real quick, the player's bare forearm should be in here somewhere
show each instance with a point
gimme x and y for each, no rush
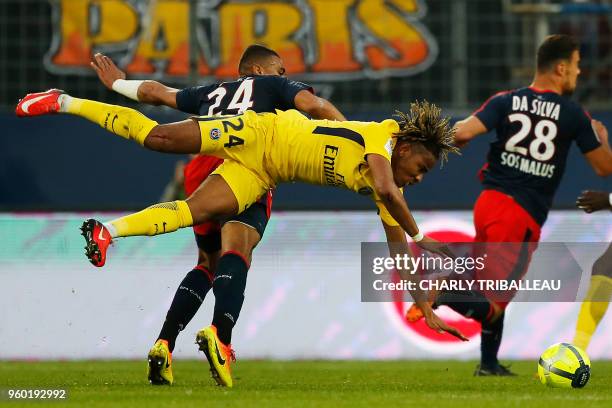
(327, 111)
(467, 129)
(318, 108)
(151, 92)
(398, 245)
(396, 239)
(600, 160)
(155, 93)
(390, 194)
(394, 201)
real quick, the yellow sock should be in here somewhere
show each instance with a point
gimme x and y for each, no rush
(122, 121)
(154, 220)
(593, 309)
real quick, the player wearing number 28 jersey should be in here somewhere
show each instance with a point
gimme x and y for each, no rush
(534, 127)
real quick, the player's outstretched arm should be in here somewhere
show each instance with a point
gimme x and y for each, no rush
(150, 92)
(317, 107)
(394, 201)
(398, 245)
(600, 158)
(467, 129)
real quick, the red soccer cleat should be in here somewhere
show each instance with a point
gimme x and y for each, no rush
(41, 103)
(414, 313)
(98, 239)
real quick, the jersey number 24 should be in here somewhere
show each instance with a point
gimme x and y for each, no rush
(241, 101)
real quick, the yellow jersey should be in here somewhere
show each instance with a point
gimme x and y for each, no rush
(328, 152)
(265, 149)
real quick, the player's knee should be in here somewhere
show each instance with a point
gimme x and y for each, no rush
(204, 268)
(244, 247)
(201, 214)
(209, 245)
(207, 260)
(496, 313)
(165, 139)
(160, 139)
(203, 259)
(201, 209)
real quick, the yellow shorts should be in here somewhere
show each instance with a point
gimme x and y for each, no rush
(246, 185)
(241, 141)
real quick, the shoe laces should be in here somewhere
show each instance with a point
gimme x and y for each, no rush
(231, 353)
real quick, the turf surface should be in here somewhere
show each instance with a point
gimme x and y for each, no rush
(432, 384)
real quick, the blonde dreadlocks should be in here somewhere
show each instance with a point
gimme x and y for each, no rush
(424, 125)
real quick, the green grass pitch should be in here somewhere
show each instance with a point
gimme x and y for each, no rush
(301, 384)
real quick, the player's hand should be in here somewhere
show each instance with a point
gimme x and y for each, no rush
(106, 69)
(436, 247)
(591, 201)
(600, 131)
(437, 324)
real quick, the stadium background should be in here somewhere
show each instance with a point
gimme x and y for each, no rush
(305, 277)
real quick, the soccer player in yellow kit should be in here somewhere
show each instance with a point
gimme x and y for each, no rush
(262, 150)
(599, 294)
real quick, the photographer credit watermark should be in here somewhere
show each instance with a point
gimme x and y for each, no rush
(504, 272)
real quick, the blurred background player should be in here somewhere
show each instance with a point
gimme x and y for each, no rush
(175, 189)
(224, 249)
(535, 127)
(598, 296)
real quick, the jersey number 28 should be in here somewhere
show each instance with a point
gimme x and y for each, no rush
(542, 147)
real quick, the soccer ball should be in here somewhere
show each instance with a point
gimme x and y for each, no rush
(564, 365)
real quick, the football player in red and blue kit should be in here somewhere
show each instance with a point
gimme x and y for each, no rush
(535, 127)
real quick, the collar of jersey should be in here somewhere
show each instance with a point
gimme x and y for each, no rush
(536, 90)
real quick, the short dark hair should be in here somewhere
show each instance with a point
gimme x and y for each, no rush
(253, 55)
(425, 125)
(554, 49)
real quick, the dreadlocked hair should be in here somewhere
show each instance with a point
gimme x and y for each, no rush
(424, 125)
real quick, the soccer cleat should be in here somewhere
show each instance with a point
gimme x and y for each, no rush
(497, 370)
(159, 371)
(219, 355)
(41, 103)
(98, 239)
(414, 313)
